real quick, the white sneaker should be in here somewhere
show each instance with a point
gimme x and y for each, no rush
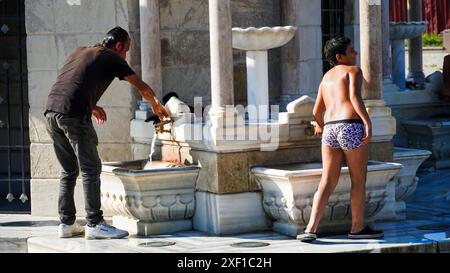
(104, 231)
(66, 231)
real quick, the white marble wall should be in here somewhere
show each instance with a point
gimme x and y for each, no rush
(186, 53)
(55, 28)
(301, 59)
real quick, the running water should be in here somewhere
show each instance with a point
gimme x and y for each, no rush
(149, 162)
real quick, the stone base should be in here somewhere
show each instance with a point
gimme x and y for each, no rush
(223, 214)
(409, 97)
(432, 135)
(136, 227)
(45, 194)
(229, 172)
(407, 112)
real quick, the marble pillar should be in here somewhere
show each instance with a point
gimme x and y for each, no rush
(151, 45)
(143, 132)
(386, 50)
(371, 48)
(415, 46)
(384, 124)
(221, 56)
(301, 59)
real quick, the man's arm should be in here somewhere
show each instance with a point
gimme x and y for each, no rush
(148, 94)
(319, 108)
(356, 78)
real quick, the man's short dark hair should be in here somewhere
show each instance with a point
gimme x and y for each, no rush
(336, 45)
(114, 36)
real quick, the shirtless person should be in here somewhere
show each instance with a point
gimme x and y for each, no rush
(341, 115)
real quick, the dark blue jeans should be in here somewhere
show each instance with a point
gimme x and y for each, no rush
(75, 142)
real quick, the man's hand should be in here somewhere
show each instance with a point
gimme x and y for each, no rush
(318, 130)
(99, 115)
(367, 135)
(159, 110)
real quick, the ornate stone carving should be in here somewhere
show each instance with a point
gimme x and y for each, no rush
(289, 191)
(147, 197)
(406, 179)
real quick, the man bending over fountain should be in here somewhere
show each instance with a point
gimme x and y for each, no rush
(83, 79)
(346, 129)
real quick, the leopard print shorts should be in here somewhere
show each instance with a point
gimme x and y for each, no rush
(344, 134)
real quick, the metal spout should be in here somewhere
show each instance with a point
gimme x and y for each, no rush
(159, 127)
(309, 129)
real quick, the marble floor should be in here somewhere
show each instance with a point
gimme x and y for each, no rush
(425, 228)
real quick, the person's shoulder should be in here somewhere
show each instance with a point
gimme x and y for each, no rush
(354, 70)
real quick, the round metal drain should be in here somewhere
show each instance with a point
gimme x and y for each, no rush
(434, 227)
(250, 244)
(157, 244)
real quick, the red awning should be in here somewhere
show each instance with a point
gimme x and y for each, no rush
(436, 12)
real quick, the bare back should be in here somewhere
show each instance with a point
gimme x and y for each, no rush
(335, 88)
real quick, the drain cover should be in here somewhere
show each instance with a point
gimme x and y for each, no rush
(157, 244)
(250, 244)
(435, 227)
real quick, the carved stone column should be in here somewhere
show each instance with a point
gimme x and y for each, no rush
(384, 125)
(415, 45)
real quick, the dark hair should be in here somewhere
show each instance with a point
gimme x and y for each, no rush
(114, 36)
(336, 45)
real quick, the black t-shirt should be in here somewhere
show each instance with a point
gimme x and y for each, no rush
(83, 79)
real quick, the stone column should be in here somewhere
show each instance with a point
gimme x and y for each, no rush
(151, 45)
(143, 132)
(221, 55)
(301, 58)
(384, 125)
(371, 48)
(386, 51)
(415, 45)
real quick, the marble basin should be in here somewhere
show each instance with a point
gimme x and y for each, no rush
(406, 30)
(260, 39)
(289, 191)
(406, 180)
(156, 200)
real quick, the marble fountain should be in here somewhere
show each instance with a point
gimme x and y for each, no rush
(217, 177)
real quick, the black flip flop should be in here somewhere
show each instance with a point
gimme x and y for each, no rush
(307, 237)
(367, 233)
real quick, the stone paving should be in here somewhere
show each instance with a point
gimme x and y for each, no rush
(425, 228)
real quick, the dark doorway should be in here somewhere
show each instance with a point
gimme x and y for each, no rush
(333, 23)
(14, 108)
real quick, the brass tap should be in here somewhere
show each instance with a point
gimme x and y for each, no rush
(309, 129)
(159, 127)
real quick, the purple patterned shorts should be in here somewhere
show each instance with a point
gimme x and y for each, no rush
(345, 134)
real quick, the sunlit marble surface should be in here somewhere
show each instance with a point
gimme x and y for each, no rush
(428, 206)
